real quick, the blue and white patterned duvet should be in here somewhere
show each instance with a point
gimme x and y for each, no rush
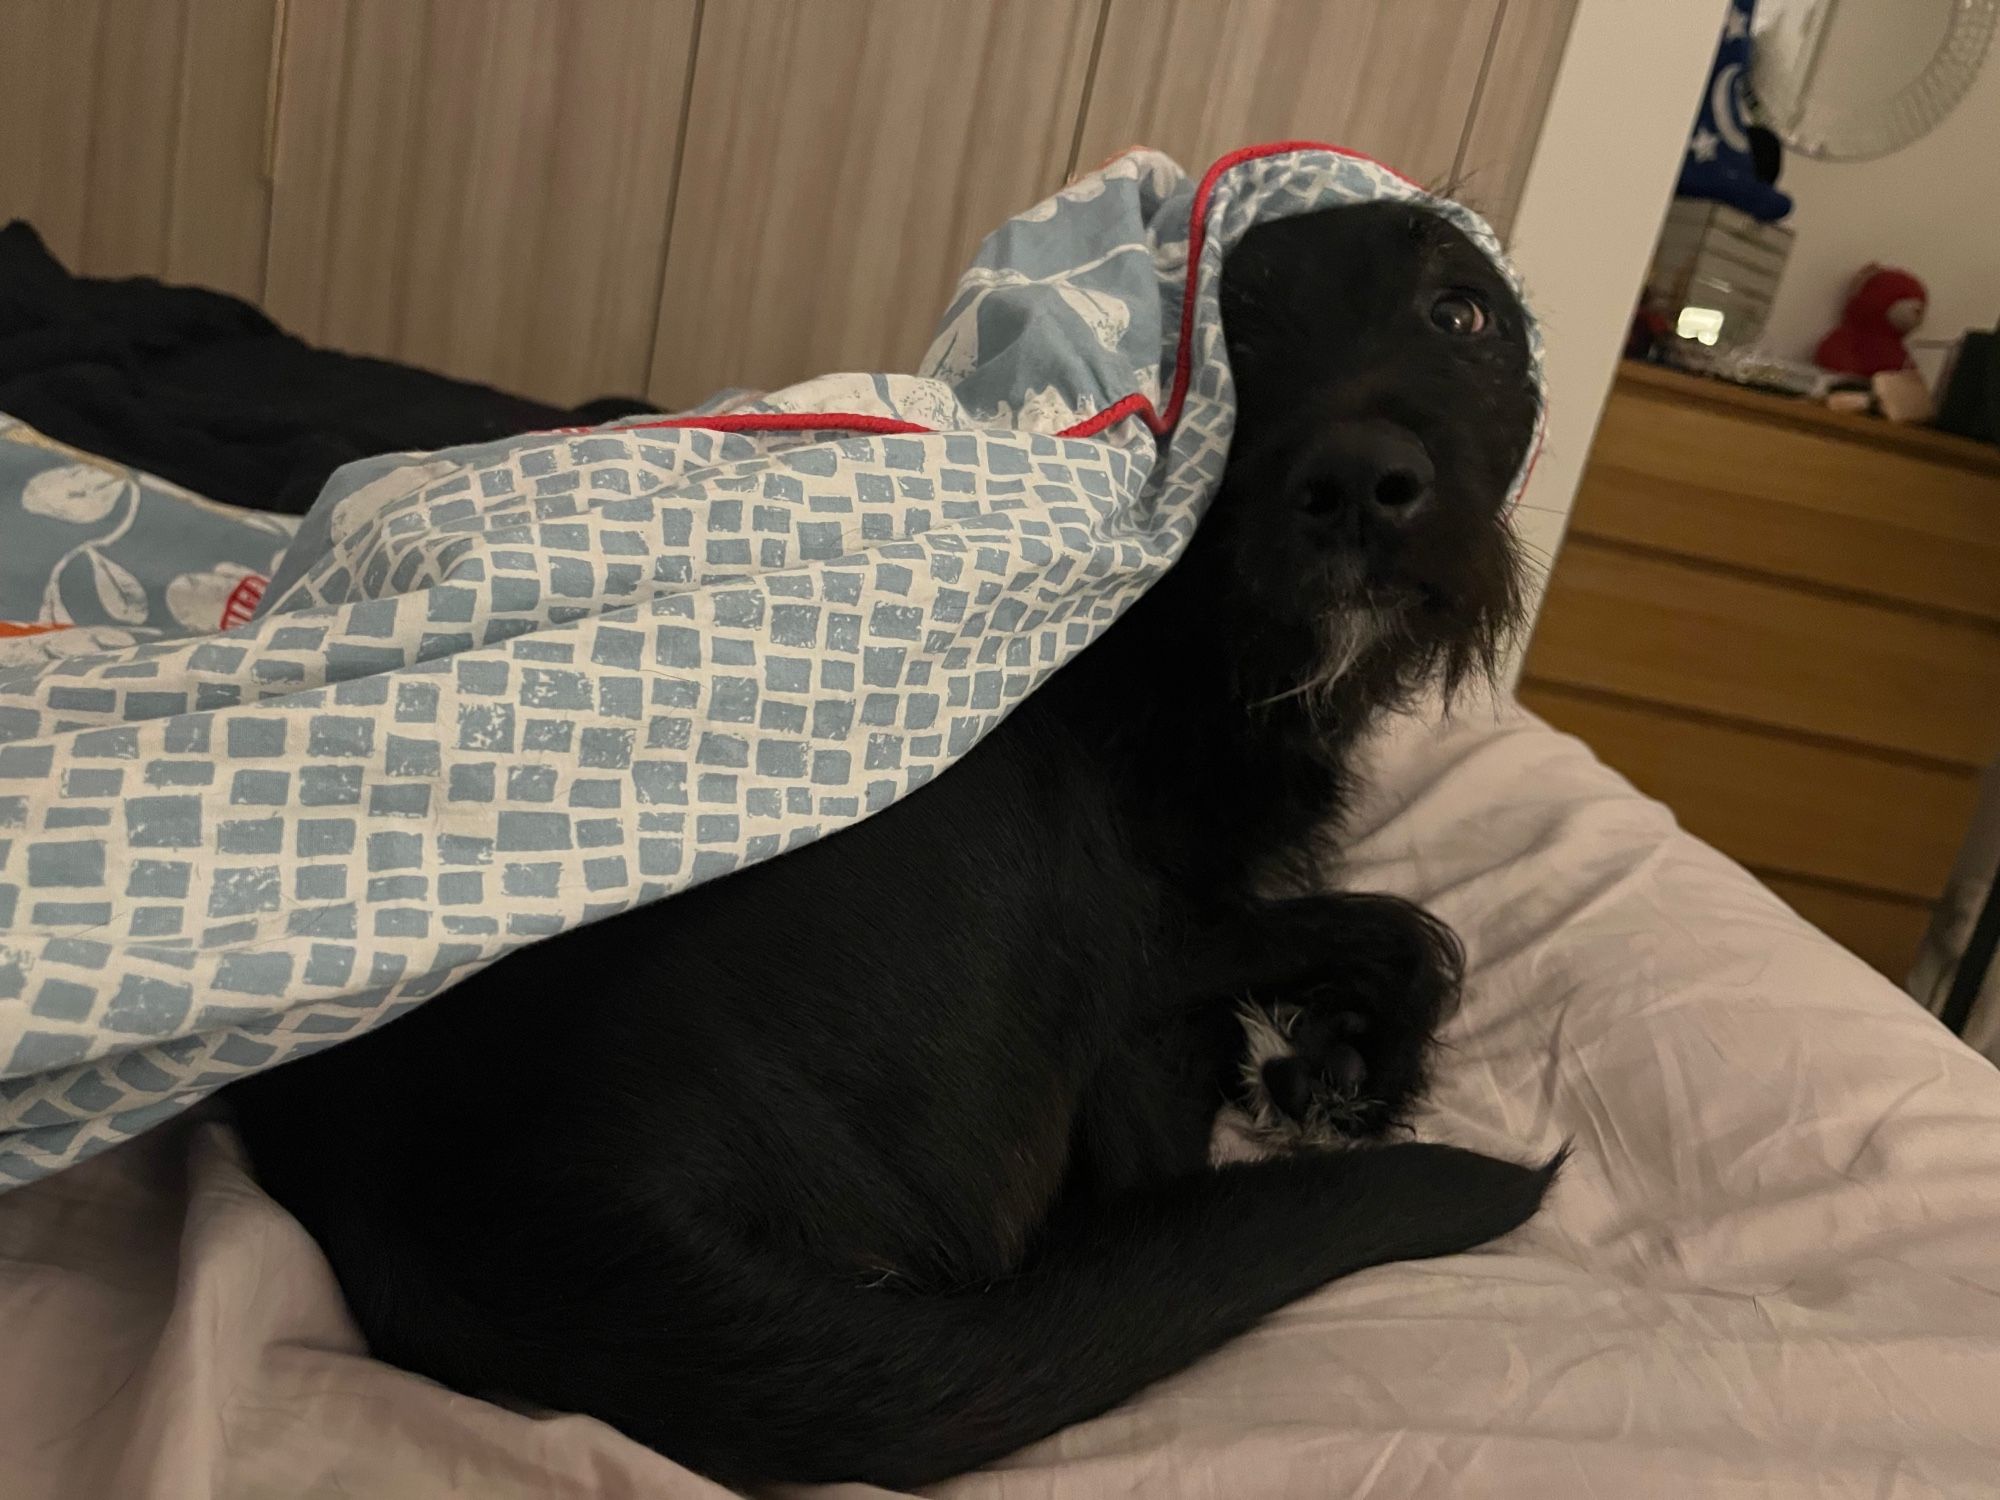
(499, 691)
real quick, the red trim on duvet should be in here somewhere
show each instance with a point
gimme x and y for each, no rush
(776, 421)
(1134, 404)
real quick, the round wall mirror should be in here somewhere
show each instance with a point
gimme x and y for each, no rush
(1850, 79)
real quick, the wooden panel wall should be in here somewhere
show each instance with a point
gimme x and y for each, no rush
(501, 189)
(1527, 48)
(132, 134)
(482, 188)
(1196, 79)
(844, 160)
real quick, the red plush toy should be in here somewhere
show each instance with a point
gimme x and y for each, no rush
(1885, 304)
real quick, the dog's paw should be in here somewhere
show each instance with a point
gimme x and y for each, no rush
(1306, 1061)
(1316, 1074)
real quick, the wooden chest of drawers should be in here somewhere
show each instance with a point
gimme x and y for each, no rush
(1785, 624)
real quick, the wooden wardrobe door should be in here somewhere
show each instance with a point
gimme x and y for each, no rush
(132, 134)
(1438, 89)
(480, 186)
(844, 158)
(1500, 135)
(1197, 79)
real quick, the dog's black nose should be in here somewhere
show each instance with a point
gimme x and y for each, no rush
(1372, 468)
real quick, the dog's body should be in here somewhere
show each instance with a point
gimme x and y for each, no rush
(884, 1158)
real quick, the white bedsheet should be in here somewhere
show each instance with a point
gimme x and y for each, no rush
(1772, 1269)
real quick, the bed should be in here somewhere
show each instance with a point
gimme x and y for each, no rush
(1770, 1268)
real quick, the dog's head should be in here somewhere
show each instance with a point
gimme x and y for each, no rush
(1386, 402)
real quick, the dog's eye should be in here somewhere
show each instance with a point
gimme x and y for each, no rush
(1459, 313)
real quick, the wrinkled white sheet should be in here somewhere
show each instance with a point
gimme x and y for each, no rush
(1772, 1269)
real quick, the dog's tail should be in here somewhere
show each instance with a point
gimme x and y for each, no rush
(763, 1367)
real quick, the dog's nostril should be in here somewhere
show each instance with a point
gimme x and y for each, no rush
(1323, 497)
(1364, 471)
(1399, 488)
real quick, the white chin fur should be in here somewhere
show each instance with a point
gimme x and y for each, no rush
(1348, 639)
(1350, 634)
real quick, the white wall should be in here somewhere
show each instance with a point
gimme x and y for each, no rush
(1933, 207)
(1596, 192)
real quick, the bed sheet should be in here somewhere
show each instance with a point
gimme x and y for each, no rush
(1772, 1267)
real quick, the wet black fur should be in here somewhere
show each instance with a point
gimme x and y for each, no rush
(884, 1158)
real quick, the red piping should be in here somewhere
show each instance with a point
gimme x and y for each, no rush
(1134, 404)
(776, 421)
(1197, 238)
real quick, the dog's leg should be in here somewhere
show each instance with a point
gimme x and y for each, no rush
(1386, 941)
(1149, 1111)
(1303, 1022)
(1338, 998)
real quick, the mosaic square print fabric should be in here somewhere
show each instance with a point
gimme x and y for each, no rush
(499, 691)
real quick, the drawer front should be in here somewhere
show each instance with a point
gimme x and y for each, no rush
(1779, 803)
(1703, 482)
(1651, 627)
(1880, 929)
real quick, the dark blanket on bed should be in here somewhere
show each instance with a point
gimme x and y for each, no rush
(205, 390)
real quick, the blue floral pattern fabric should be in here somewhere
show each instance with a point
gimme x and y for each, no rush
(497, 692)
(88, 542)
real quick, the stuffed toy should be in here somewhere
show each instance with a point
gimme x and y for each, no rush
(1882, 305)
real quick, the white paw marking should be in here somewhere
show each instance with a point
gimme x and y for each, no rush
(1257, 1129)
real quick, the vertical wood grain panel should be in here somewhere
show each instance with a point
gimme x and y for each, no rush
(130, 132)
(48, 79)
(844, 159)
(221, 204)
(134, 122)
(1196, 78)
(1500, 137)
(344, 171)
(480, 186)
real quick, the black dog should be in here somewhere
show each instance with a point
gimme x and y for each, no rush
(884, 1158)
